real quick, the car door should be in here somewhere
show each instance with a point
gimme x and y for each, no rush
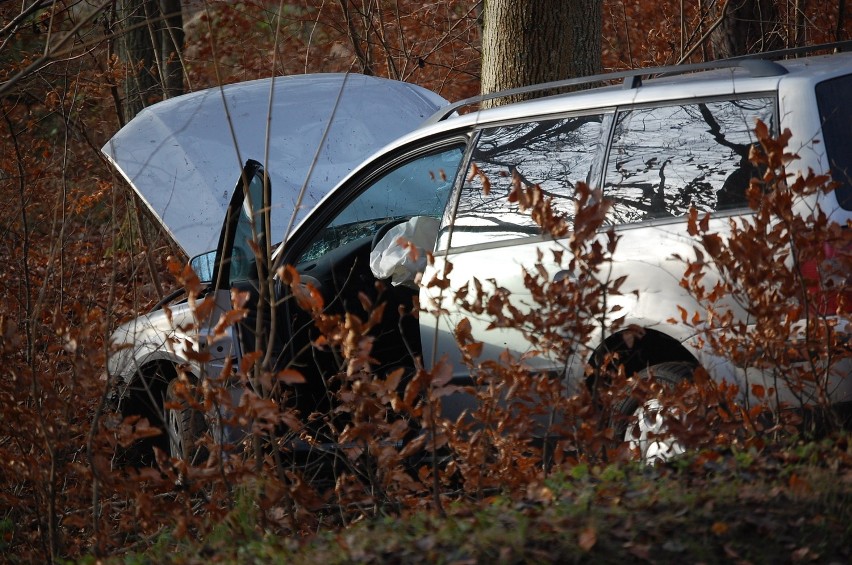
(665, 159)
(241, 264)
(332, 249)
(489, 238)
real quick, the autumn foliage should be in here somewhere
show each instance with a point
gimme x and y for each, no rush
(80, 255)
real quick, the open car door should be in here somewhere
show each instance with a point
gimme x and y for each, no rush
(242, 260)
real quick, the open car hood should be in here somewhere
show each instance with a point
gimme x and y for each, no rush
(184, 160)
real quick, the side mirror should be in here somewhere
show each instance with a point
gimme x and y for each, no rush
(203, 266)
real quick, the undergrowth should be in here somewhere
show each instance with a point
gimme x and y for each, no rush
(706, 507)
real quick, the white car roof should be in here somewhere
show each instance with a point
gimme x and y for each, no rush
(702, 84)
(184, 160)
(658, 90)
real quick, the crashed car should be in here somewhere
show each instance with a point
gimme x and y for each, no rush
(187, 157)
(657, 147)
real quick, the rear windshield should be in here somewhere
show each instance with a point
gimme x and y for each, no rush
(833, 98)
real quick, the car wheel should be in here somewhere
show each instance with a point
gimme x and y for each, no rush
(143, 398)
(642, 426)
(185, 426)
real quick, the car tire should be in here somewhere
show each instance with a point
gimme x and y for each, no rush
(185, 426)
(641, 424)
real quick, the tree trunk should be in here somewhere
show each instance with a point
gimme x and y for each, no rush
(151, 41)
(748, 26)
(171, 46)
(530, 42)
(150, 45)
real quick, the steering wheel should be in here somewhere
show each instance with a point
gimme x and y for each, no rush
(385, 228)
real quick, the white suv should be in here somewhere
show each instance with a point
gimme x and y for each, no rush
(655, 147)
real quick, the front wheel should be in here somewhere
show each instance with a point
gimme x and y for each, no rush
(185, 426)
(642, 424)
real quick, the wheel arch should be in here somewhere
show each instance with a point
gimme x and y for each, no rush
(639, 350)
(147, 381)
(143, 395)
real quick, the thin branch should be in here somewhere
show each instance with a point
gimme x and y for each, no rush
(37, 64)
(27, 12)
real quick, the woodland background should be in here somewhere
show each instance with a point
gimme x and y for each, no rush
(80, 256)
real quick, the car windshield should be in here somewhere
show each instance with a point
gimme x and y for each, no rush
(418, 187)
(335, 236)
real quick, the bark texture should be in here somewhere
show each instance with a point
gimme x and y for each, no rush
(748, 26)
(528, 42)
(151, 41)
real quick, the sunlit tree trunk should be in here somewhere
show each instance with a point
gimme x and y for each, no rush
(529, 42)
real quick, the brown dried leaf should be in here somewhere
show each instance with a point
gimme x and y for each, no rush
(588, 538)
(290, 376)
(442, 374)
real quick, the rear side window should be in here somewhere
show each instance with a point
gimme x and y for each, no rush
(554, 154)
(833, 99)
(666, 159)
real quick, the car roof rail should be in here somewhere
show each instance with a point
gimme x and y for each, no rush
(756, 64)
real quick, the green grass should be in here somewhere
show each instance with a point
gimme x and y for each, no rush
(782, 505)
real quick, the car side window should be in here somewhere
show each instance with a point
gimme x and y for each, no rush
(555, 154)
(665, 159)
(418, 187)
(243, 265)
(245, 219)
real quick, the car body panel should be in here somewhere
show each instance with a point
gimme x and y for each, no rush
(651, 254)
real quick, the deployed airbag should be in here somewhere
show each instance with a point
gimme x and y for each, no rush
(401, 254)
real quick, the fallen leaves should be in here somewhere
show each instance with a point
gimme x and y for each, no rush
(588, 538)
